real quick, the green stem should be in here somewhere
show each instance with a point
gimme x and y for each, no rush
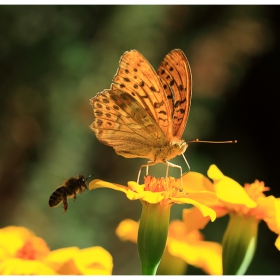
(152, 235)
(239, 244)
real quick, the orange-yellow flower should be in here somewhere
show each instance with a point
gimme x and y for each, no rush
(182, 244)
(165, 191)
(249, 201)
(23, 253)
(247, 207)
(157, 196)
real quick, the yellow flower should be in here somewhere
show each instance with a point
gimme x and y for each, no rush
(157, 196)
(249, 201)
(166, 191)
(182, 247)
(247, 207)
(23, 253)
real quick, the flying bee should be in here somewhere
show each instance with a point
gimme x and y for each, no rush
(70, 188)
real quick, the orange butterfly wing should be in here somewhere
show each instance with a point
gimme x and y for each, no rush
(175, 74)
(138, 78)
(121, 122)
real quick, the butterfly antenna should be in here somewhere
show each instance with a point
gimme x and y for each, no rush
(212, 142)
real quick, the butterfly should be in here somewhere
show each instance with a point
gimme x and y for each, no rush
(144, 113)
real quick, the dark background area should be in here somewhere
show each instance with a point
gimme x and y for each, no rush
(53, 59)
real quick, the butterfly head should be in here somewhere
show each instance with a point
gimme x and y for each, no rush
(176, 147)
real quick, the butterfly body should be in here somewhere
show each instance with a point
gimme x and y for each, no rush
(144, 113)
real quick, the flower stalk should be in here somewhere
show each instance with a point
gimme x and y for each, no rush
(239, 244)
(152, 235)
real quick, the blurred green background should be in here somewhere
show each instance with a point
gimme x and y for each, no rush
(53, 59)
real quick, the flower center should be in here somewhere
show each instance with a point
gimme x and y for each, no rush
(160, 184)
(27, 251)
(33, 249)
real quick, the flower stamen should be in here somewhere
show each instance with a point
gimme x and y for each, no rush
(256, 189)
(164, 185)
(27, 251)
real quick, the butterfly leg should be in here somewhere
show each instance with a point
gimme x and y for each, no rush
(189, 169)
(176, 166)
(186, 163)
(181, 175)
(167, 169)
(149, 163)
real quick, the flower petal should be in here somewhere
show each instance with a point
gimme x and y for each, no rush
(206, 255)
(12, 239)
(228, 190)
(97, 183)
(271, 213)
(205, 210)
(88, 261)
(94, 261)
(57, 259)
(15, 266)
(193, 219)
(204, 197)
(215, 173)
(194, 181)
(148, 196)
(127, 230)
(277, 242)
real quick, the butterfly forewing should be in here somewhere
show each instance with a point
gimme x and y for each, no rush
(138, 78)
(121, 122)
(175, 75)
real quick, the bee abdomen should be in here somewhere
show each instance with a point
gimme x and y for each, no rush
(57, 196)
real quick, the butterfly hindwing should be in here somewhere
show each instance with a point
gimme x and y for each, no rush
(122, 123)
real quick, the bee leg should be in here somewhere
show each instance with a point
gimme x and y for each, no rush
(65, 204)
(74, 197)
(80, 189)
